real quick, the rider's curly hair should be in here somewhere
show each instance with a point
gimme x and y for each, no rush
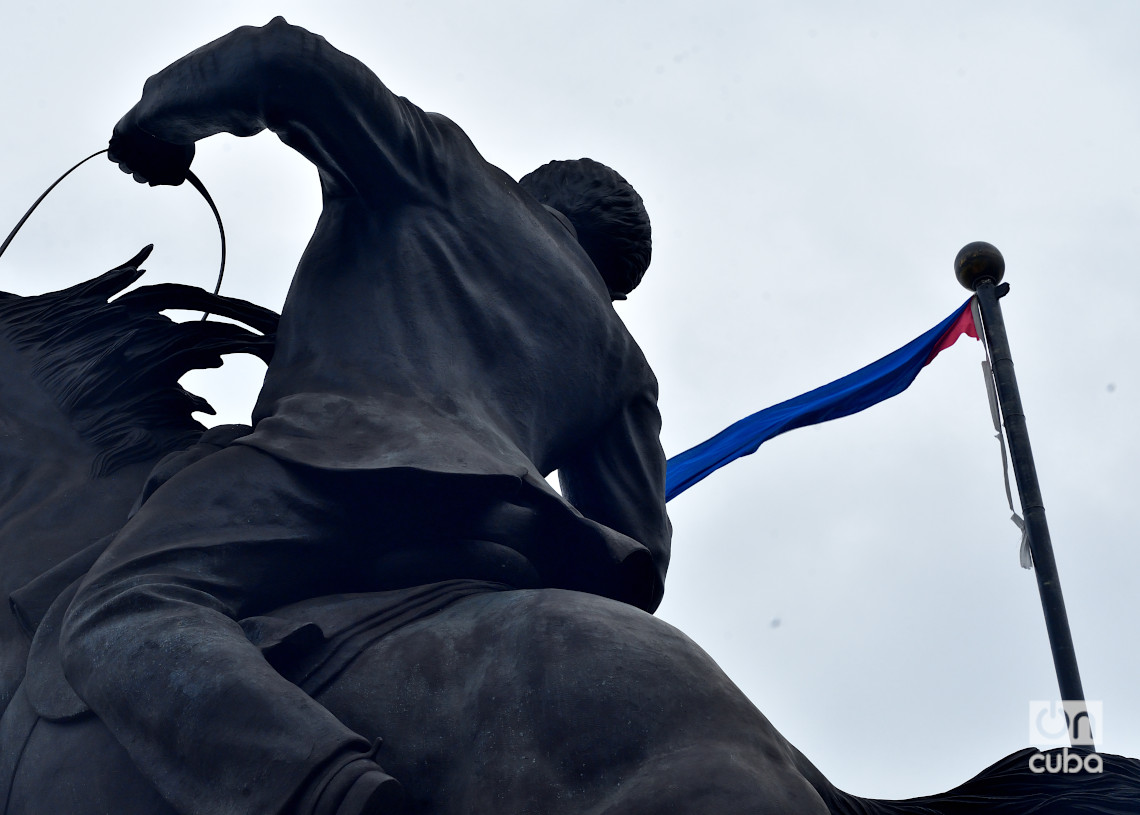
(607, 213)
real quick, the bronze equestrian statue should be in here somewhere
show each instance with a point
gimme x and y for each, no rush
(371, 600)
(446, 344)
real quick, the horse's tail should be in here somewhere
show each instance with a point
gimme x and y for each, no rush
(1055, 782)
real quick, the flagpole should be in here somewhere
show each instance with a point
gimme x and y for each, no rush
(980, 267)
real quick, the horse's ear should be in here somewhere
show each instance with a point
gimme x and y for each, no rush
(108, 284)
(139, 259)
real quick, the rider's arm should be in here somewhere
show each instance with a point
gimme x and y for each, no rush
(325, 104)
(618, 481)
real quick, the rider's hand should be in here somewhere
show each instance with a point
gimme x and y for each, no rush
(150, 160)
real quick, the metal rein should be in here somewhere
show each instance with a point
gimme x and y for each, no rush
(194, 181)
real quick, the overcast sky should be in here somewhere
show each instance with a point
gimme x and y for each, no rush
(811, 169)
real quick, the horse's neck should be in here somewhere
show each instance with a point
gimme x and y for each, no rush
(46, 485)
(50, 512)
(44, 466)
(50, 508)
(50, 504)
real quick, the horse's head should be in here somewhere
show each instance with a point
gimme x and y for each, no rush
(82, 370)
(90, 401)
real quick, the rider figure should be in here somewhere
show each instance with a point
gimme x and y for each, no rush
(446, 343)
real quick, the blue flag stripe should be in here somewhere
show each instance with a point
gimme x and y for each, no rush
(858, 391)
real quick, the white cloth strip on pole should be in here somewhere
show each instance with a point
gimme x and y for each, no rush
(1025, 555)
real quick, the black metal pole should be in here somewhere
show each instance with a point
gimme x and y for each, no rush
(980, 267)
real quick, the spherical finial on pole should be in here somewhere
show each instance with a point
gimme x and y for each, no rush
(976, 261)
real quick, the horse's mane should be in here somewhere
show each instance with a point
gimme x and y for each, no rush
(113, 365)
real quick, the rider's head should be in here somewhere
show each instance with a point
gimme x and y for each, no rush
(607, 213)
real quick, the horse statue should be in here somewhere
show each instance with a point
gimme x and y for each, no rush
(487, 698)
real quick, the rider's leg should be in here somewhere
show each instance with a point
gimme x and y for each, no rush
(152, 644)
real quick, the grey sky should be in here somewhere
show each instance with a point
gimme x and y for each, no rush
(811, 170)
